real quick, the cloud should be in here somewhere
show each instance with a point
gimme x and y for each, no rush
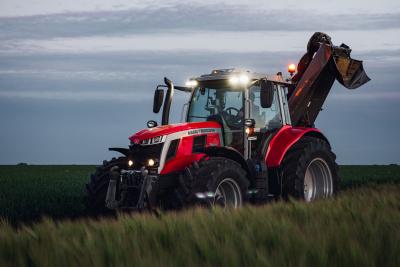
(132, 76)
(84, 95)
(187, 17)
(12, 8)
(367, 96)
(91, 75)
(222, 41)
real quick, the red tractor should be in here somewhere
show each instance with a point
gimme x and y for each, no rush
(247, 137)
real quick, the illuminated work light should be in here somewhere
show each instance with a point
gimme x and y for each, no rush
(191, 83)
(241, 79)
(234, 80)
(244, 79)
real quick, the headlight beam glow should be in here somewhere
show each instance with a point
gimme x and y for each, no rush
(242, 79)
(191, 83)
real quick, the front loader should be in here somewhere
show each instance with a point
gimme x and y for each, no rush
(247, 137)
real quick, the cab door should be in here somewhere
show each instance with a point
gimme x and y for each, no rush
(224, 105)
(267, 120)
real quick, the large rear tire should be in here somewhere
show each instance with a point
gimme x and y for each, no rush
(309, 170)
(217, 181)
(96, 188)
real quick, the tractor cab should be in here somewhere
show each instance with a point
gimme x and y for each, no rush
(246, 105)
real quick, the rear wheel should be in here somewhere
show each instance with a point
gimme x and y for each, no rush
(309, 170)
(216, 181)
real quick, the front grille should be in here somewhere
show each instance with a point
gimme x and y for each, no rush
(131, 183)
(132, 179)
(140, 153)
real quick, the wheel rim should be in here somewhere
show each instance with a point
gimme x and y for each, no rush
(228, 194)
(318, 182)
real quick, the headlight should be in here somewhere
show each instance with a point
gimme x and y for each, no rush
(130, 163)
(152, 162)
(154, 140)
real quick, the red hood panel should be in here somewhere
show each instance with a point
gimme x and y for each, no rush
(169, 129)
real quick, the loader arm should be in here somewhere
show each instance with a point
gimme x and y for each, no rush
(316, 72)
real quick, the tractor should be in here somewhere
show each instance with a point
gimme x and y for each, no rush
(246, 138)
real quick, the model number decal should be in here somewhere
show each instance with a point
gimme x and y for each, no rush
(201, 131)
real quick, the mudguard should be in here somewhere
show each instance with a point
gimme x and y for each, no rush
(284, 140)
(228, 152)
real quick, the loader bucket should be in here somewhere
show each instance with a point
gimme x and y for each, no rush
(350, 72)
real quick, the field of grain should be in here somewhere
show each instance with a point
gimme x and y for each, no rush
(29, 192)
(359, 227)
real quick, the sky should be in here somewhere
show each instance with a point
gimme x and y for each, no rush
(77, 77)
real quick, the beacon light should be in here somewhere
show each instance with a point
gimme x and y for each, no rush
(291, 68)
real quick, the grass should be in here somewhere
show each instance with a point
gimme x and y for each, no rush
(29, 192)
(360, 227)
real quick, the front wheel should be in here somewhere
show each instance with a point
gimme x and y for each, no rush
(228, 194)
(309, 170)
(217, 181)
(96, 188)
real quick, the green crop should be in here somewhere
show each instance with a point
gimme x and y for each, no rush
(360, 227)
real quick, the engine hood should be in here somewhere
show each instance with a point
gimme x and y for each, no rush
(170, 129)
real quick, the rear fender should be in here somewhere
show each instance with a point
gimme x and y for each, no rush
(284, 140)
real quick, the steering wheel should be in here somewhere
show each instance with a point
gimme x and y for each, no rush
(233, 117)
(229, 111)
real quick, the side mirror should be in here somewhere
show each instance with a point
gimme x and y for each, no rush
(266, 93)
(151, 124)
(158, 100)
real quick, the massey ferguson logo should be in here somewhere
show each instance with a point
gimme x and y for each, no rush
(136, 141)
(202, 131)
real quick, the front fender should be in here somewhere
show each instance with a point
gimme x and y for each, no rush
(228, 152)
(123, 151)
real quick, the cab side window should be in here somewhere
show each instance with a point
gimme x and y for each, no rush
(269, 118)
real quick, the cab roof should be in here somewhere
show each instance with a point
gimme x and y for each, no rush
(224, 74)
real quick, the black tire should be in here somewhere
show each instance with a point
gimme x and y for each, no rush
(209, 173)
(96, 188)
(310, 154)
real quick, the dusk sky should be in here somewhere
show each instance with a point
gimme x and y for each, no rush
(77, 77)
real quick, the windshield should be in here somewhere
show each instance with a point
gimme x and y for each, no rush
(208, 103)
(224, 106)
